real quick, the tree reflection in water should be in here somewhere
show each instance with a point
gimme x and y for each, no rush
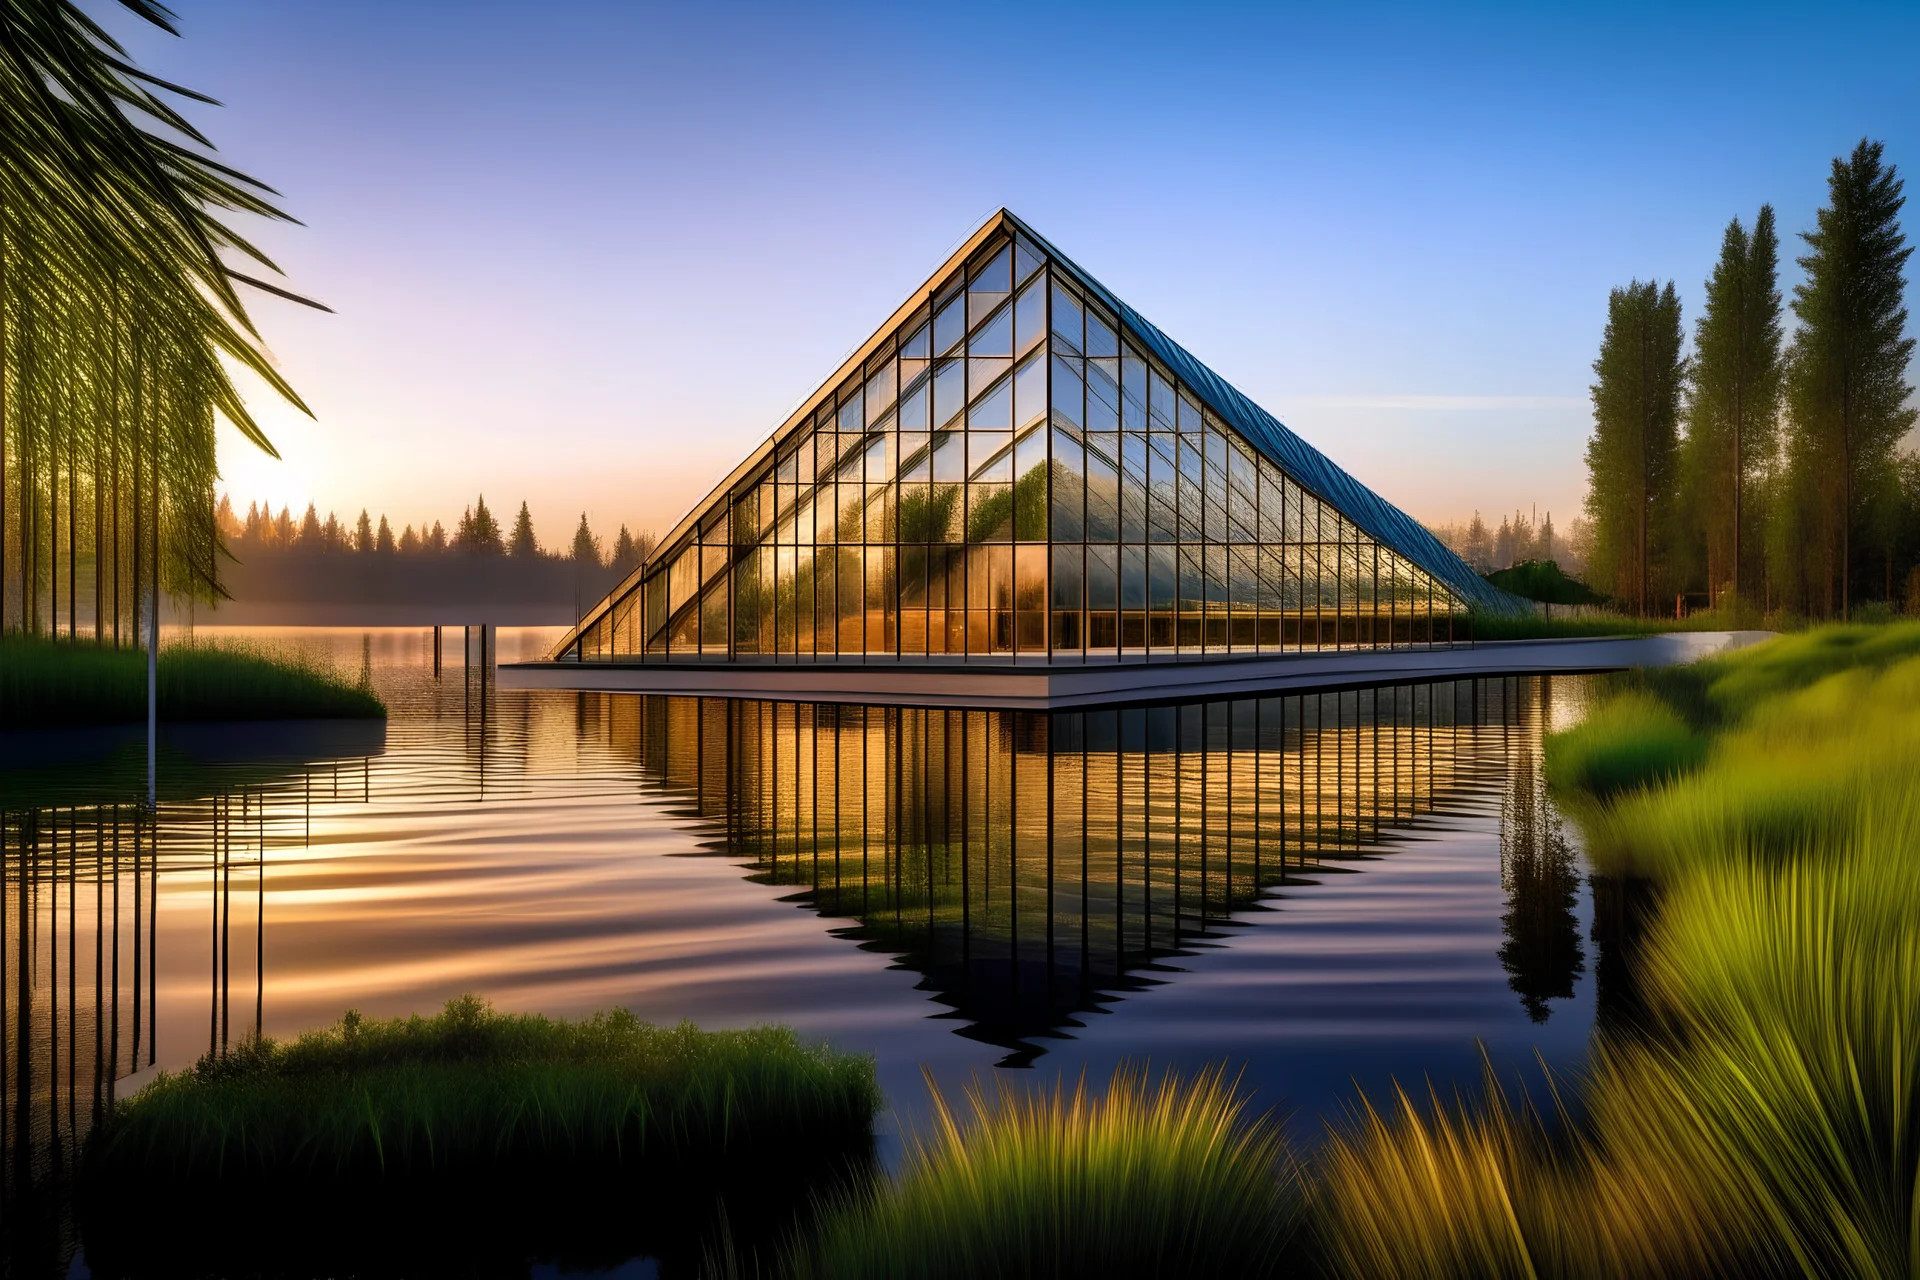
(1542, 953)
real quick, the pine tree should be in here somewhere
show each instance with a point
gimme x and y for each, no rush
(436, 540)
(332, 536)
(383, 541)
(1479, 545)
(409, 542)
(310, 535)
(626, 553)
(1734, 398)
(283, 527)
(1631, 454)
(586, 547)
(1847, 386)
(363, 533)
(522, 545)
(479, 532)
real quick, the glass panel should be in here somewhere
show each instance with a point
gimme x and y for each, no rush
(851, 418)
(1103, 581)
(1030, 598)
(1133, 387)
(949, 391)
(916, 346)
(1103, 395)
(1133, 577)
(1030, 392)
(989, 512)
(916, 457)
(993, 411)
(1162, 579)
(1102, 340)
(1067, 320)
(1069, 488)
(1066, 390)
(995, 337)
(880, 457)
(989, 455)
(947, 513)
(879, 393)
(1103, 488)
(950, 456)
(1026, 258)
(915, 522)
(1161, 403)
(989, 286)
(984, 371)
(1133, 488)
(913, 405)
(949, 327)
(1030, 318)
(1065, 590)
(1191, 418)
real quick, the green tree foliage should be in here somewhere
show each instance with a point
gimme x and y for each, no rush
(1631, 455)
(626, 552)
(118, 320)
(1846, 387)
(586, 547)
(522, 543)
(363, 532)
(479, 532)
(383, 541)
(1734, 398)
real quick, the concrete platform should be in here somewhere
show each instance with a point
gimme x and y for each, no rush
(1036, 686)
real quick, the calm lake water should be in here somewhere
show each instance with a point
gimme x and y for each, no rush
(1327, 891)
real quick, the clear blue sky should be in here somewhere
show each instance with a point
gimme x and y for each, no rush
(589, 254)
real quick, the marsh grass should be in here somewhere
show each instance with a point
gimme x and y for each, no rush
(1628, 742)
(597, 1140)
(45, 683)
(471, 1091)
(1164, 1178)
(1491, 1187)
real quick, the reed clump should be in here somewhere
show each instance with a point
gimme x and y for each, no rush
(49, 683)
(1762, 1121)
(1164, 1178)
(473, 1092)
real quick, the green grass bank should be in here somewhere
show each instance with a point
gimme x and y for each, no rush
(48, 683)
(595, 1140)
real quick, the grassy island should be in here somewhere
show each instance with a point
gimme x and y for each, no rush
(605, 1137)
(48, 683)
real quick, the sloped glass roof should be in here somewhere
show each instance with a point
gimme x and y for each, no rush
(1376, 516)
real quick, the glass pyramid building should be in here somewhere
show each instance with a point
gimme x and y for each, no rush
(1018, 466)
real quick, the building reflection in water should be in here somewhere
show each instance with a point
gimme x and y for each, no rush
(1036, 866)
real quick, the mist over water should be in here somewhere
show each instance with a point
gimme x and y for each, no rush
(1323, 890)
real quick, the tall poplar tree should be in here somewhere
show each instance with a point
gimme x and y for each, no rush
(1734, 404)
(1631, 456)
(1847, 387)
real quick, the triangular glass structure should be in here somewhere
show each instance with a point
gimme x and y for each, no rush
(1018, 465)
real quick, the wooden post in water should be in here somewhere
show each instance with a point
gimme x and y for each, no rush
(436, 651)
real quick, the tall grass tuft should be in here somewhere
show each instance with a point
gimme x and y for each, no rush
(1492, 1189)
(471, 1091)
(1166, 1178)
(1628, 742)
(1790, 1087)
(45, 683)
